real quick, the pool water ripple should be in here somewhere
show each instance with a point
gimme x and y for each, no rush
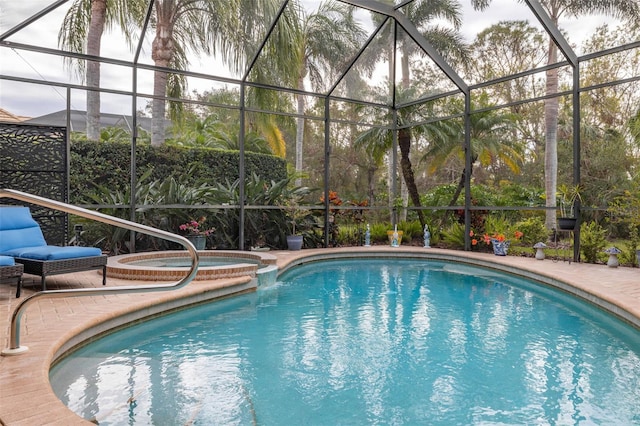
(366, 342)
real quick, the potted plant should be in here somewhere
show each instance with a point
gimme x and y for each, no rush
(569, 196)
(500, 243)
(295, 218)
(196, 233)
(294, 214)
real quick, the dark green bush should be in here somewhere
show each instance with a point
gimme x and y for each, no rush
(108, 164)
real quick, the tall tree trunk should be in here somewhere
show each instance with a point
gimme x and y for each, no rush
(461, 182)
(406, 73)
(371, 183)
(404, 143)
(404, 197)
(94, 38)
(459, 189)
(158, 108)
(162, 50)
(551, 139)
(390, 181)
(299, 129)
(391, 167)
(406, 83)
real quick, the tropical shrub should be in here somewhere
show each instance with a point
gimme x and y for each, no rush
(269, 226)
(592, 241)
(496, 225)
(176, 191)
(351, 235)
(379, 232)
(410, 230)
(533, 230)
(111, 238)
(624, 213)
(628, 255)
(453, 236)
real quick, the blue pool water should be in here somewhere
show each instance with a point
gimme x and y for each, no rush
(366, 342)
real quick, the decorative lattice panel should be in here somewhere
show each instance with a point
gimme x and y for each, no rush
(33, 159)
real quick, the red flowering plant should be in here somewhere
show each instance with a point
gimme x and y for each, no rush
(195, 227)
(334, 200)
(474, 239)
(478, 217)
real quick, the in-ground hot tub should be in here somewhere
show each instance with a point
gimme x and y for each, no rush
(173, 265)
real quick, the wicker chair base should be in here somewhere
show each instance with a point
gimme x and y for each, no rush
(44, 268)
(12, 273)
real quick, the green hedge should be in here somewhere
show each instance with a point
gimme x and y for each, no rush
(108, 164)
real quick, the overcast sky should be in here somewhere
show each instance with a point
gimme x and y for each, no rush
(34, 100)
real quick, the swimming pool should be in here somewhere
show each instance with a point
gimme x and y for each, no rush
(366, 342)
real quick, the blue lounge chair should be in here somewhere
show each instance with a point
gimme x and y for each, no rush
(21, 238)
(11, 271)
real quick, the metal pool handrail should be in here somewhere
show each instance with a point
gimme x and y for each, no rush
(14, 342)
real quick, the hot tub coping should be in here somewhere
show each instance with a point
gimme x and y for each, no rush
(120, 266)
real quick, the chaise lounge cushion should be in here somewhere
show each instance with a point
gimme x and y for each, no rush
(18, 229)
(21, 238)
(53, 252)
(7, 261)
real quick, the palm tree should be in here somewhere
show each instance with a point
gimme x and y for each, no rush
(180, 25)
(376, 143)
(194, 131)
(490, 142)
(210, 132)
(81, 32)
(217, 27)
(204, 119)
(424, 14)
(325, 40)
(620, 9)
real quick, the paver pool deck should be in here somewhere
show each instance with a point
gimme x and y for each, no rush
(50, 326)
